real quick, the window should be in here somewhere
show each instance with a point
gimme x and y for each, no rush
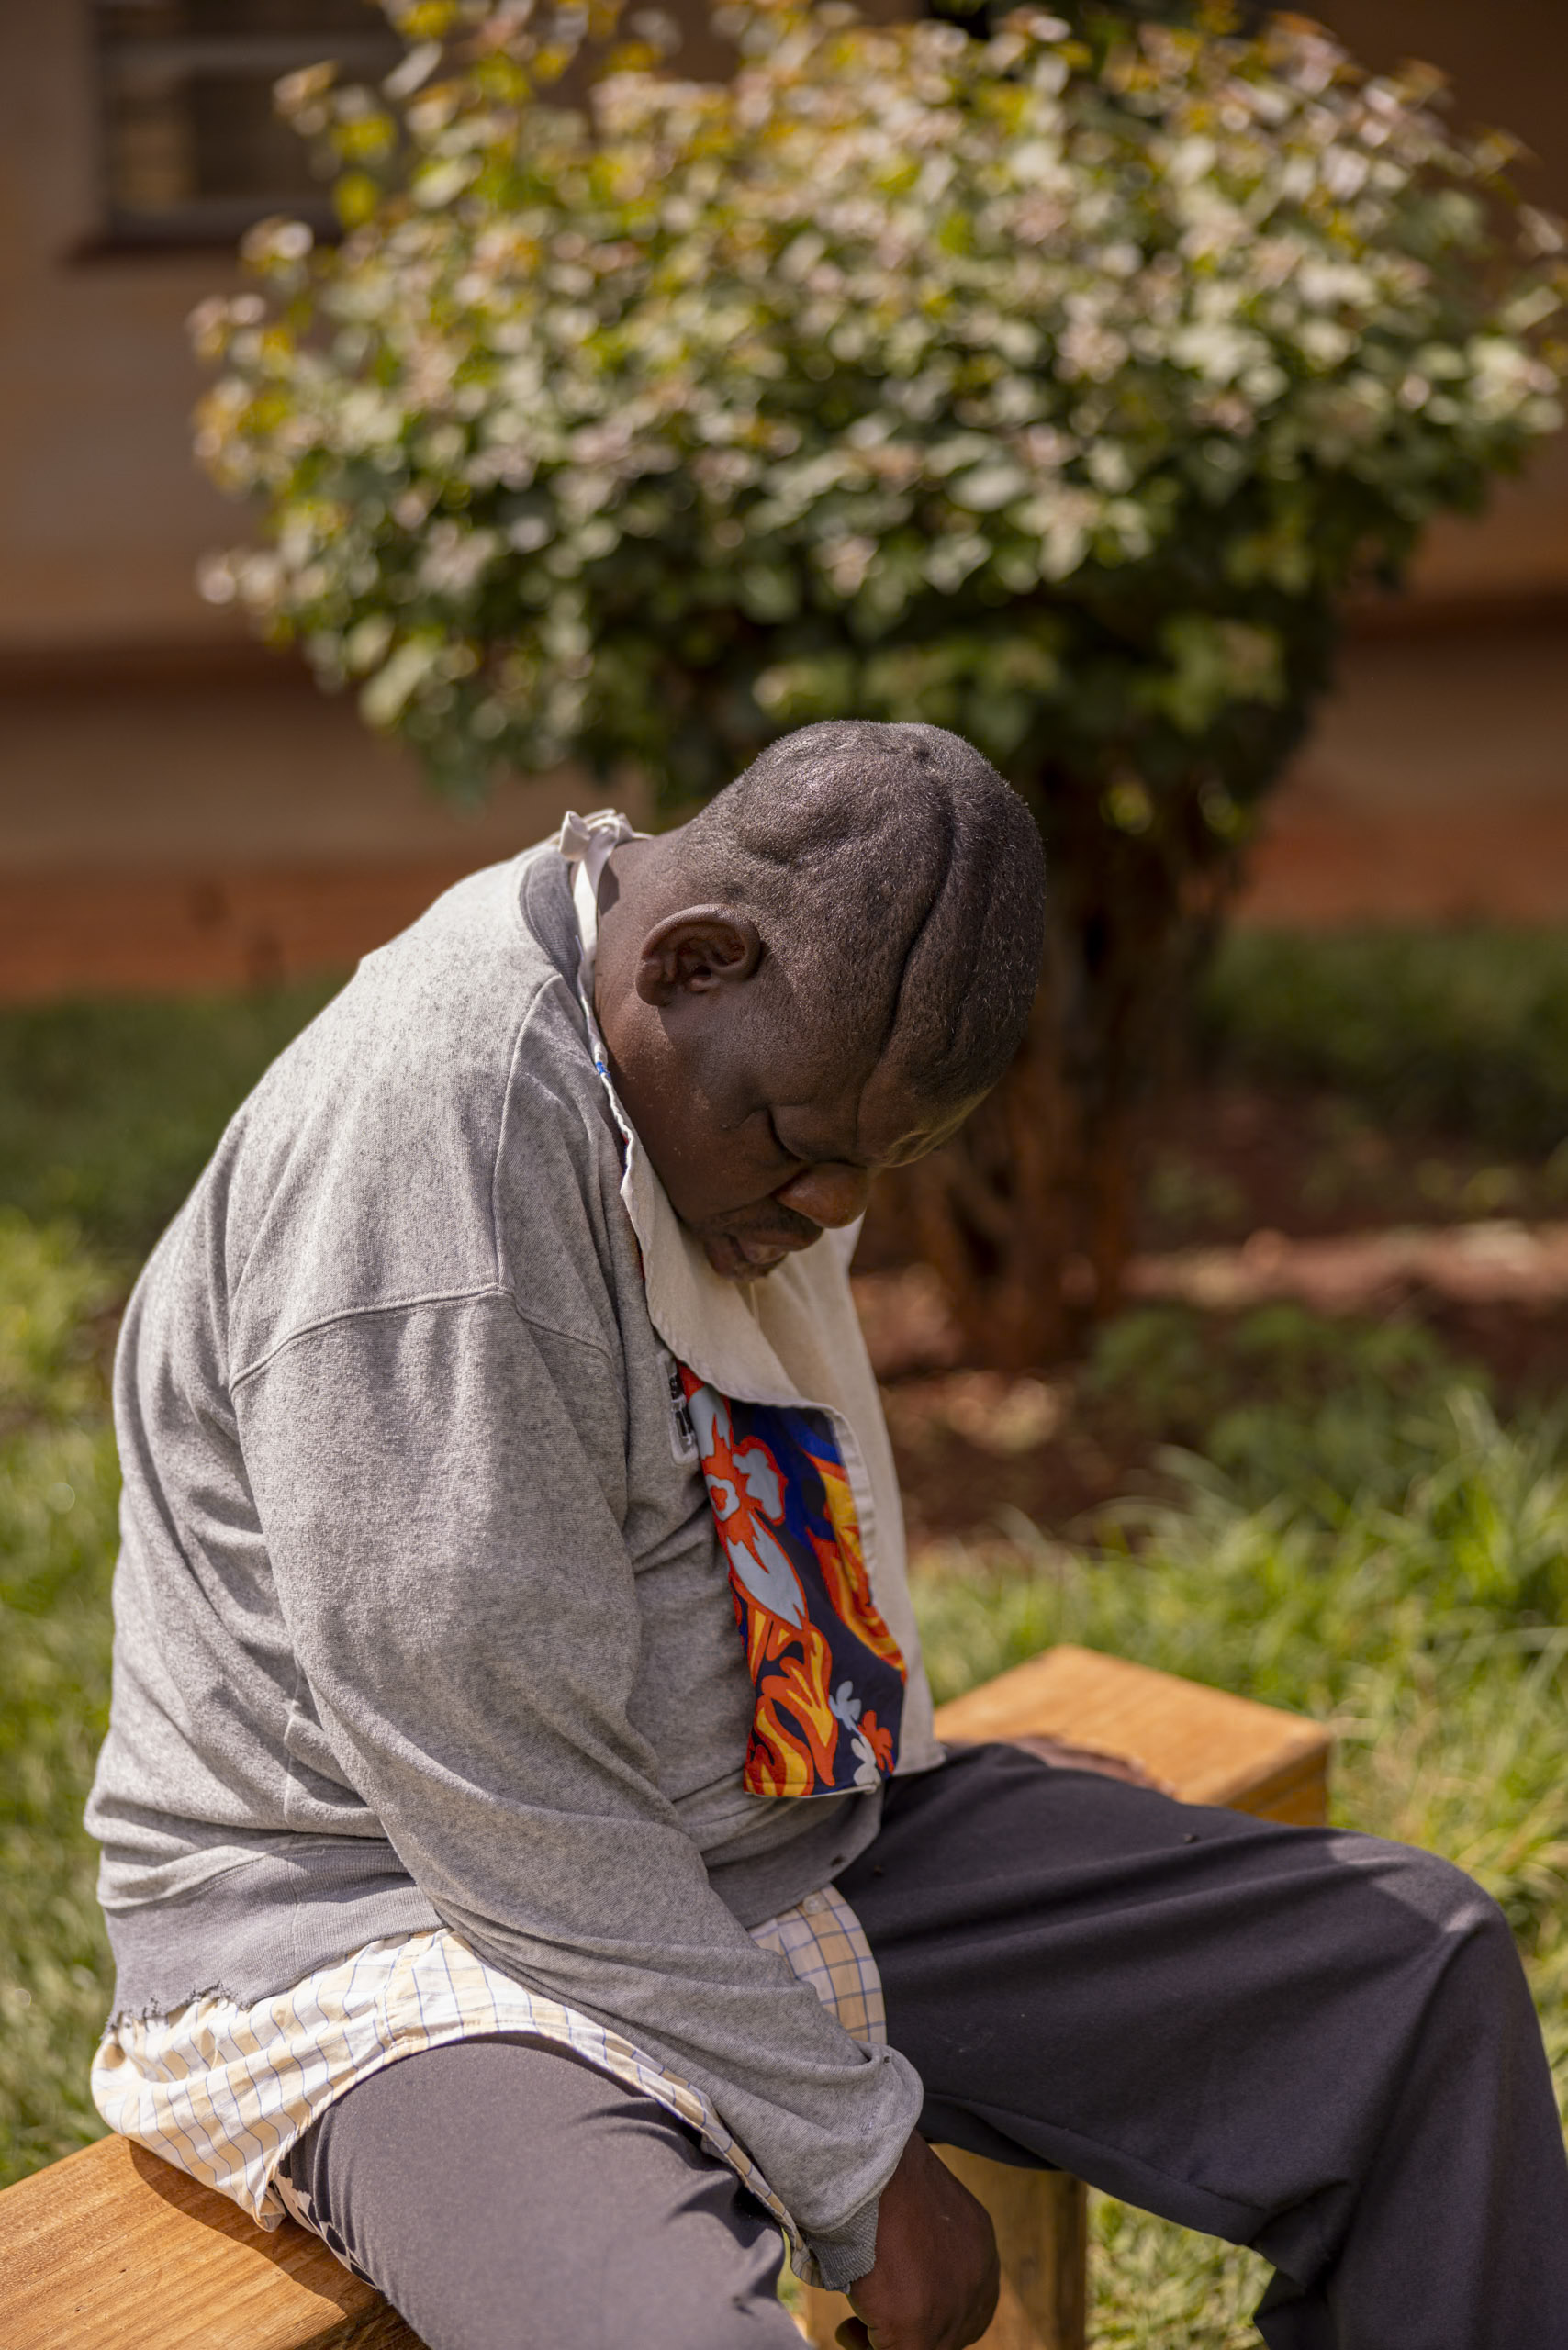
(192, 148)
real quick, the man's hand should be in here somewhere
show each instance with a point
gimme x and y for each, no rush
(936, 2278)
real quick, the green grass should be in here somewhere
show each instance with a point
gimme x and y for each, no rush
(58, 1489)
(108, 1111)
(1384, 1556)
(1464, 1030)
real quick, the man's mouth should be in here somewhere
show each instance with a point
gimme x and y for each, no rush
(747, 1256)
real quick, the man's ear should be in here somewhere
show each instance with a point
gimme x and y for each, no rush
(695, 952)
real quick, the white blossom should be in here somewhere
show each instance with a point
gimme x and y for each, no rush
(871, 368)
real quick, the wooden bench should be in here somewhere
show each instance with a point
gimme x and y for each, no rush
(114, 2250)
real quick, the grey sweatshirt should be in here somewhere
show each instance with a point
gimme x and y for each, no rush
(419, 1612)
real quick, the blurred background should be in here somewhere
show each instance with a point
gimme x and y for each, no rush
(179, 807)
(1319, 1452)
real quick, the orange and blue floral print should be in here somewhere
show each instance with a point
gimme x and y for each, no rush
(827, 1672)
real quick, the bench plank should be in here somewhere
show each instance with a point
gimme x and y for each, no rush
(115, 2249)
(1201, 1745)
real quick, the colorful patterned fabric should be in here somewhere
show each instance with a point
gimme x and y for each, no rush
(223, 2091)
(827, 1672)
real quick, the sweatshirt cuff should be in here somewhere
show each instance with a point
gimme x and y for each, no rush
(846, 2254)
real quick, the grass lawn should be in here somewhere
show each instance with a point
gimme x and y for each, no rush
(109, 1110)
(1464, 1029)
(1351, 1532)
(1392, 1561)
(58, 1487)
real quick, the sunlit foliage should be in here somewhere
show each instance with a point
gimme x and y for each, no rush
(1048, 386)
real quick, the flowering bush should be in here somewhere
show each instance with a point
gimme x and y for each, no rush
(1052, 387)
(1024, 386)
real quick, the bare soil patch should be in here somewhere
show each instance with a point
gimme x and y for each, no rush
(1255, 1199)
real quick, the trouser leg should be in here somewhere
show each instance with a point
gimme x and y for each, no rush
(505, 2196)
(1312, 2042)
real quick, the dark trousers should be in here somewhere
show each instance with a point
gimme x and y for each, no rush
(1312, 2042)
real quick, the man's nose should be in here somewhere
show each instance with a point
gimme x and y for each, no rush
(831, 1194)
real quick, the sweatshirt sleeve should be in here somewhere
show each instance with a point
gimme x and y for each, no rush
(437, 1488)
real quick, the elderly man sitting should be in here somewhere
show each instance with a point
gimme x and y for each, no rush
(527, 1854)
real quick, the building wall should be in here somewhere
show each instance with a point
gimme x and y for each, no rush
(140, 736)
(103, 512)
(1437, 780)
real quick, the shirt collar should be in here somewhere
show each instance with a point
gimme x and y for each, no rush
(739, 1337)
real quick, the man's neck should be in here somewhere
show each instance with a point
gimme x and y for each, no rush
(637, 889)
